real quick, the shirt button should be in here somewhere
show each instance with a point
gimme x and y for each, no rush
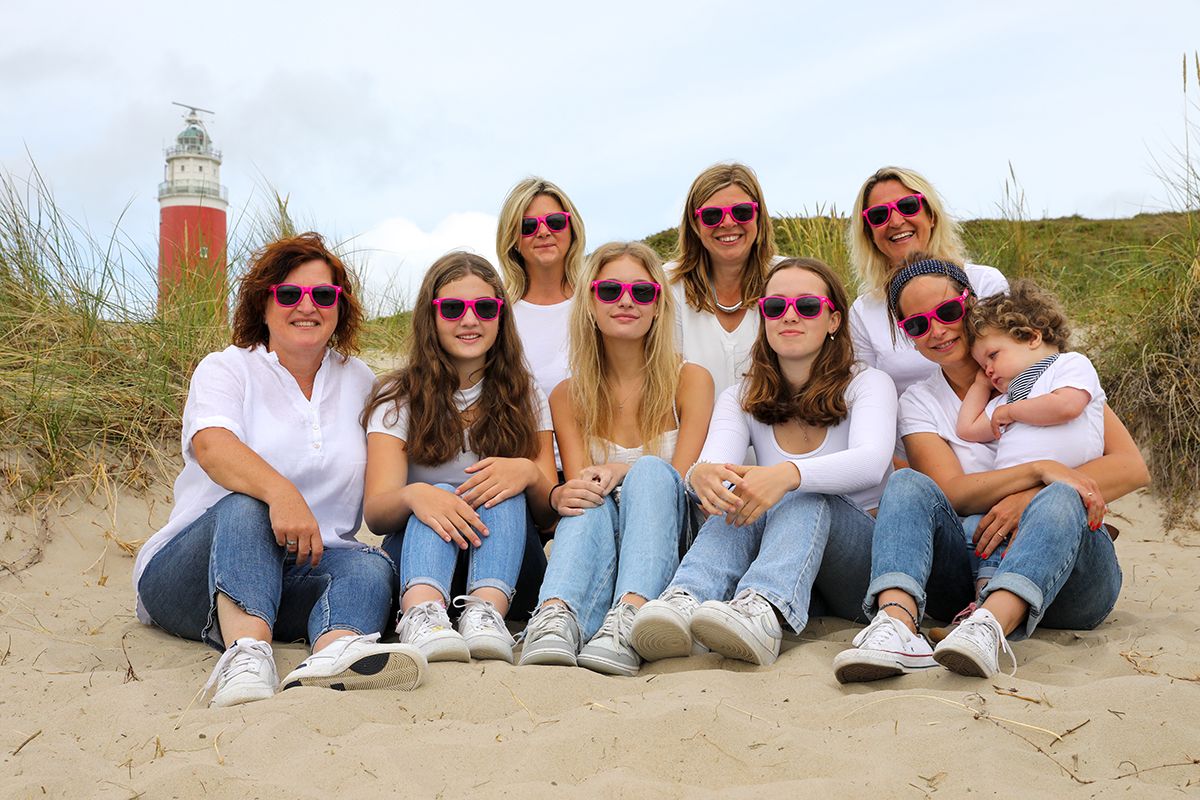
(316, 445)
(316, 427)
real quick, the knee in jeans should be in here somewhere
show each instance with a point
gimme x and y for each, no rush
(649, 468)
(910, 483)
(801, 501)
(244, 506)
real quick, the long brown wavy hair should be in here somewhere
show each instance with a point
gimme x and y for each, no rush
(822, 400)
(270, 265)
(505, 423)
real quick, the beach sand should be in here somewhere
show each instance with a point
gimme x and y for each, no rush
(93, 704)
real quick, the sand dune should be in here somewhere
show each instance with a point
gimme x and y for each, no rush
(94, 704)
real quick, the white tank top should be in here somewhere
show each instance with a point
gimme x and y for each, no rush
(616, 454)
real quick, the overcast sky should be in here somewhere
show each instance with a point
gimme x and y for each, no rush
(402, 127)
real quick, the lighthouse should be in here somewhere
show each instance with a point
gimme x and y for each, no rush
(191, 229)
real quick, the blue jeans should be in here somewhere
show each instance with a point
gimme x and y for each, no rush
(231, 549)
(805, 542)
(426, 558)
(612, 550)
(1067, 574)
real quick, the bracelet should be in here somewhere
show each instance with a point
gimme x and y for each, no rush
(687, 478)
(916, 625)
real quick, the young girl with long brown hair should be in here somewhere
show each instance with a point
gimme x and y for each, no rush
(631, 416)
(458, 454)
(822, 428)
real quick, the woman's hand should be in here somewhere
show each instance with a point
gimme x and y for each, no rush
(447, 514)
(494, 480)
(708, 482)
(608, 476)
(1089, 490)
(1000, 522)
(760, 488)
(573, 497)
(296, 529)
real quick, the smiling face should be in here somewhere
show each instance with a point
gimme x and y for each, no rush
(304, 329)
(623, 319)
(1003, 358)
(946, 343)
(467, 339)
(546, 248)
(900, 235)
(793, 337)
(730, 242)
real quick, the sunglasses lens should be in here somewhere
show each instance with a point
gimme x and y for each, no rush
(288, 295)
(949, 311)
(711, 216)
(808, 307)
(608, 291)
(742, 212)
(486, 308)
(451, 308)
(556, 222)
(909, 206)
(916, 327)
(324, 296)
(773, 307)
(878, 215)
(644, 292)
(529, 226)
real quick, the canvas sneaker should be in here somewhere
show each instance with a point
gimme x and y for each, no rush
(360, 662)
(609, 650)
(883, 649)
(939, 633)
(973, 647)
(244, 673)
(482, 628)
(551, 637)
(427, 627)
(745, 628)
(662, 628)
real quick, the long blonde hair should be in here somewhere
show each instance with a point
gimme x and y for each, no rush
(508, 234)
(945, 237)
(591, 388)
(693, 267)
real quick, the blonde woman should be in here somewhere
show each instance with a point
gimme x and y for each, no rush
(633, 416)
(898, 213)
(725, 248)
(540, 244)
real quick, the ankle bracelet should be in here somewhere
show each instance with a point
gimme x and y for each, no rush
(916, 625)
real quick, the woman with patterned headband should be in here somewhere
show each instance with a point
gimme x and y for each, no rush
(1060, 569)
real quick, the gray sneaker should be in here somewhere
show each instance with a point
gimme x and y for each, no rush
(551, 637)
(609, 650)
(745, 628)
(662, 628)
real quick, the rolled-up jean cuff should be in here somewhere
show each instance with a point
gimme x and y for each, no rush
(1025, 589)
(427, 582)
(894, 580)
(785, 610)
(492, 583)
(211, 633)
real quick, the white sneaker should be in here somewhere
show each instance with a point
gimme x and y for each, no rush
(972, 648)
(745, 628)
(883, 649)
(609, 651)
(662, 627)
(244, 673)
(427, 627)
(551, 637)
(360, 662)
(483, 629)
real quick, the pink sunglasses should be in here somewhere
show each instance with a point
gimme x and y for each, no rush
(485, 309)
(907, 206)
(741, 213)
(555, 222)
(947, 313)
(807, 306)
(289, 295)
(641, 292)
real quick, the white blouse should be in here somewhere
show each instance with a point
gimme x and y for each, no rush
(318, 444)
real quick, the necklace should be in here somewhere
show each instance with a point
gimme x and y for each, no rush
(733, 309)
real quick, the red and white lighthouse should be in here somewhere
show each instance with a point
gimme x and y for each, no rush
(192, 204)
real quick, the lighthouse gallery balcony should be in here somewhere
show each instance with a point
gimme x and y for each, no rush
(192, 188)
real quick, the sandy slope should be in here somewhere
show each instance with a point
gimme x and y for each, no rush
(1127, 693)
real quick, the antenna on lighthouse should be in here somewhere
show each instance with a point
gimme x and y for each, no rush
(193, 109)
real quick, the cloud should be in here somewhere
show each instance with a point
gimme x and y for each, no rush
(394, 254)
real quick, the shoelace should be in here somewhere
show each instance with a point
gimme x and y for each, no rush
(246, 655)
(986, 634)
(423, 618)
(750, 604)
(961, 616)
(618, 623)
(682, 600)
(479, 613)
(545, 618)
(876, 635)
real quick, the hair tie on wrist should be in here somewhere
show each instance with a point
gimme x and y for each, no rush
(550, 495)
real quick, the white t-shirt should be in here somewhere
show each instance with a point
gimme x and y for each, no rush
(393, 421)
(545, 332)
(931, 406)
(855, 458)
(318, 444)
(871, 331)
(1071, 443)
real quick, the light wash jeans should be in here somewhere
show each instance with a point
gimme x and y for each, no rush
(231, 549)
(1067, 574)
(805, 542)
(612, 550)
(426, 558)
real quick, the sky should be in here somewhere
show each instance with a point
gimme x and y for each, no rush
(397, 129)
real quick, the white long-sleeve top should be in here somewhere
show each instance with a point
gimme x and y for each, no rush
(855, 458)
